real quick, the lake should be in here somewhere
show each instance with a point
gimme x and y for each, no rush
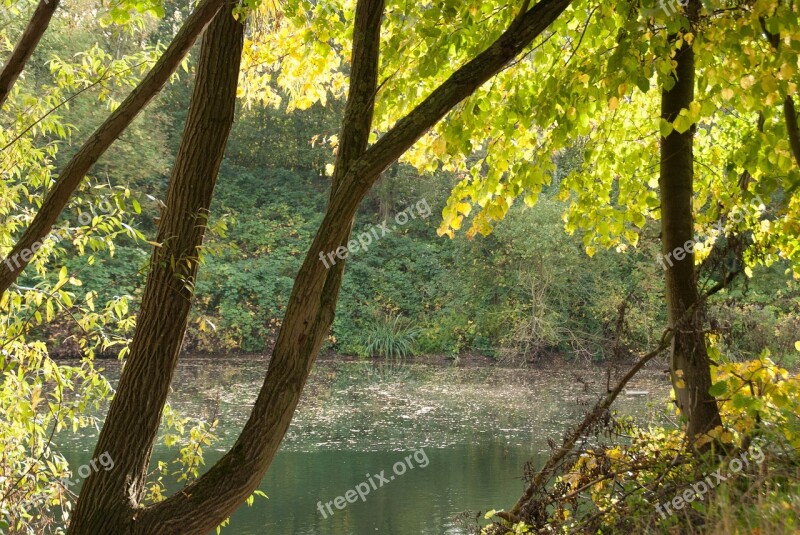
(359, 425)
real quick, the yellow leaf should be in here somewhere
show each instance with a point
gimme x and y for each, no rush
(464, 207)
(439, 146)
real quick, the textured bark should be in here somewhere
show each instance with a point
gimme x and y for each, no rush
(311, 306)
(308, 317)
(218, 492)
(689, 363)
(26, 45)
(107, 500)
(73, 173)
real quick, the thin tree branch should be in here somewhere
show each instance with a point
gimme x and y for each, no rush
(103, 78)
(602, 406)
(599, 409)
(26, 45)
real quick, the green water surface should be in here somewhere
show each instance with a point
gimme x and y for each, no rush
(473, 429)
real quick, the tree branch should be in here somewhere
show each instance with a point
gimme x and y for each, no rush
(462, 83)
(26, 45)
(599, 409)
(603, 404)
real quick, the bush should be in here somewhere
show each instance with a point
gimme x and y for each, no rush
(392, 337)
(622, 486)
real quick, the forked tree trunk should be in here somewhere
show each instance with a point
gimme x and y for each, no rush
(216, 494)
(26, 45)
(93, 148)
(689, 363)
(107, 500)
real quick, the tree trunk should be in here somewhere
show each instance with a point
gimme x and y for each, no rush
(26, 45)
(790, 115)
(789, 110)
(216, 494)
(689, 366)
(71, 176)
(107, 500)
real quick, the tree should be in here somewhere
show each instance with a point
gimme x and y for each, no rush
(38, 395)
(689, 362)
(135, 413)
(607, 94)
(110, 501)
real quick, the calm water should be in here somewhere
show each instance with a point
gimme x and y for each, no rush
(476, 427)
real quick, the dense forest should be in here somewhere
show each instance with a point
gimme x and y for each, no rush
(527, 217)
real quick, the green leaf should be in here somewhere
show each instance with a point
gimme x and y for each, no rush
(717, 389)
(120, 15)
(683, 122)
(665, 127)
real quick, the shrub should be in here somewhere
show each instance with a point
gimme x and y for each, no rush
(392, 337)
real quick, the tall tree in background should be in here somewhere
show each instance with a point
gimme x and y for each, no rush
(689, 362)
(651, 149)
